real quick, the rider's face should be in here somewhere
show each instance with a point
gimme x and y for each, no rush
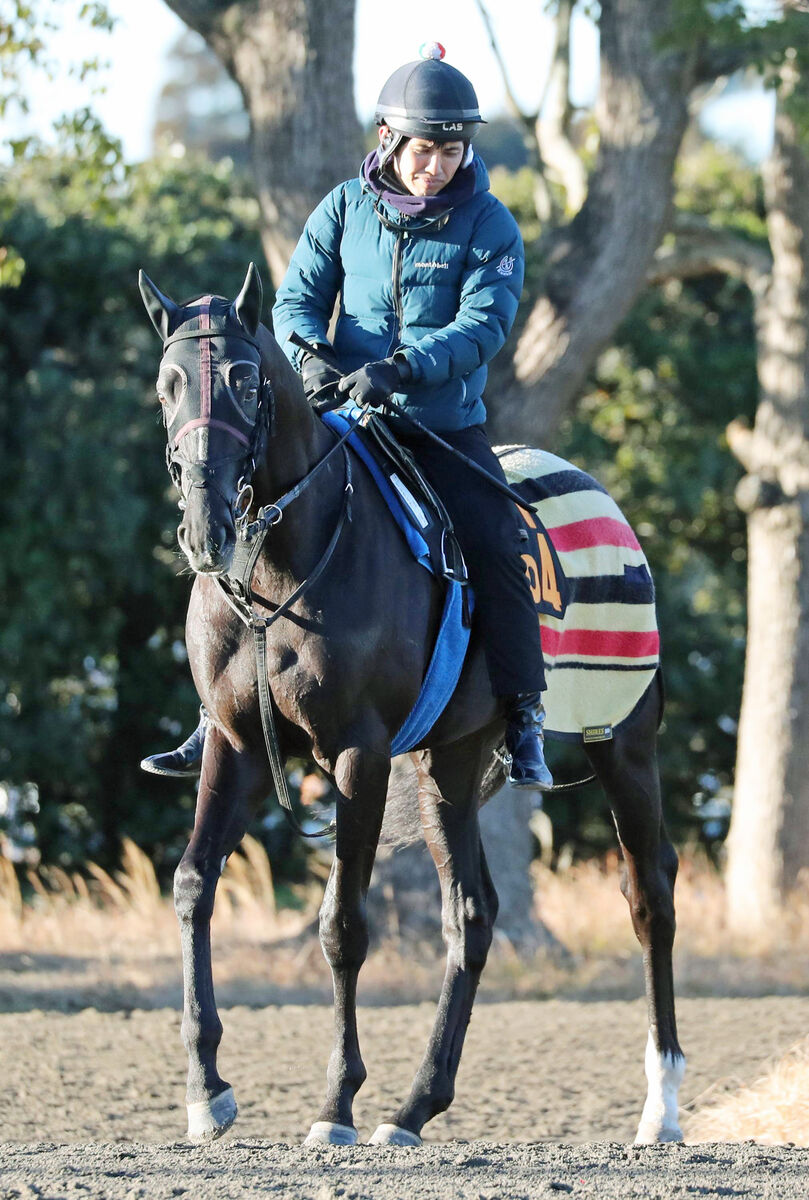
(426, 167)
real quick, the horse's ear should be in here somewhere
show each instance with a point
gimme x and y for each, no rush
(160, 308)
(247, 304)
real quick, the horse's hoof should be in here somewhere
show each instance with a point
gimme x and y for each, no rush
(651, 1134)
(329, 1133)
(209, 1119)
(393, 1135)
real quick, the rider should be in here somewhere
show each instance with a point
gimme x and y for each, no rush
(428, 268)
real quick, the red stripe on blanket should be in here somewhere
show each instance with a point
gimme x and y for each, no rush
(596, 531)
(600, 643)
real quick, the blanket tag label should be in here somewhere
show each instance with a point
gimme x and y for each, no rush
(597, 733)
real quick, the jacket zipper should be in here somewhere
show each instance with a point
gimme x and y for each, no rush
(396, 280)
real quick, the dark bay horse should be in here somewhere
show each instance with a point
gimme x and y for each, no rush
(345, 665)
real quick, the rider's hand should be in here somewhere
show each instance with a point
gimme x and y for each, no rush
(316, 373)
(374, 383)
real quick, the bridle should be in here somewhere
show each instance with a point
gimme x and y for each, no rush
(198, 474)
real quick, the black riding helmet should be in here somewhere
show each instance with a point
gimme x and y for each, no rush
(427, 99)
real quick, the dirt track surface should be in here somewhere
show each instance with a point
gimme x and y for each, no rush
(96, 1098)
(476, 1171)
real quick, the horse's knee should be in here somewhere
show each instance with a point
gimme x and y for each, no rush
(344, 936)
(467, 927)
(194, 890)
(651, 905)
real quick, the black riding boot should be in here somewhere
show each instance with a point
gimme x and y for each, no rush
(525, 737)
(186, 759)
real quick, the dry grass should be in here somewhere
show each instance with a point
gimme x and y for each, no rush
(77, 913)
(120, 922)
(772, 1110)
(585, 909)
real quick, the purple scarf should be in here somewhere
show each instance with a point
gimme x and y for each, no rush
(460, 188)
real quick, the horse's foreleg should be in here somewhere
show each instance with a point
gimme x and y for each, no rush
(362, 779)
(448, 785)
(628, 770)
(227, 786)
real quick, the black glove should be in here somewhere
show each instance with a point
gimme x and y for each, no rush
(316, 373)
(374, 383)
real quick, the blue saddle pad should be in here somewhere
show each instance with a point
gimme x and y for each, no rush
(452, 641)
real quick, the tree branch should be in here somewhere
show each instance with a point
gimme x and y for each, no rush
(596, 265)
(514, 106)
(699, 248)
(553, 122)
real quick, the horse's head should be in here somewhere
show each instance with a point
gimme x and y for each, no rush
(217, 410)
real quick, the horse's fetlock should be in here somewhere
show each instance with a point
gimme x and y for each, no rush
(202, 1039)
(441, 1096)
(348, 1072)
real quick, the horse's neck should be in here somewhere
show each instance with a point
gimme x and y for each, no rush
(299, 439)
(296, 446)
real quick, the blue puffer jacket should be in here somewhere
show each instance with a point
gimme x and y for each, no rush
(445, 293)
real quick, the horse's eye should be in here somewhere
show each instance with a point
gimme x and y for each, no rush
(244, 385)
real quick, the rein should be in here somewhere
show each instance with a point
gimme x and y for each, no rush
(237, 591)
(236, 588)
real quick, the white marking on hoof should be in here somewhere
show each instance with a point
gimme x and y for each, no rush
(393, 1135)
(659, 1121)
(329, 1133)
(208, 1119)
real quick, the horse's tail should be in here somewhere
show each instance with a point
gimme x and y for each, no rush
(401, 826)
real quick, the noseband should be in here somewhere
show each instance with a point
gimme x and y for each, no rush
(205, 474)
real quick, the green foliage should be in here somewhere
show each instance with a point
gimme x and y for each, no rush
(651, 428)
(92, 672)
(25, 27)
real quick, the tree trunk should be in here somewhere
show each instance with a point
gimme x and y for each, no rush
(292, 60)
(769, 834)
(597, 264)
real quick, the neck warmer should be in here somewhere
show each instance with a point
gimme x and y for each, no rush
(460, 188)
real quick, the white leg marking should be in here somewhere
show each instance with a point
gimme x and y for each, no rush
(659, 1120)
(332, 1134)
(208, 1119)
(393, 1135)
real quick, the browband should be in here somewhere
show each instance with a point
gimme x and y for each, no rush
(215, 331)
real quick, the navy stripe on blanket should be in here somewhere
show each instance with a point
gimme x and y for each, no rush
(634, 588)
(559, 483)
(565, 664)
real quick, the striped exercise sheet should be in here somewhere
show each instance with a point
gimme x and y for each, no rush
(594, 595)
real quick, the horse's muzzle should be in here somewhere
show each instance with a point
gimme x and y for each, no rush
(207, 534)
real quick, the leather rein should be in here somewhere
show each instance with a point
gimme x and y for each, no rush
(236, 584)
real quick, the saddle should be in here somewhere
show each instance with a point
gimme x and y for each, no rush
(416, 507)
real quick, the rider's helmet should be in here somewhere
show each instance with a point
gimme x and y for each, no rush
(427, 99)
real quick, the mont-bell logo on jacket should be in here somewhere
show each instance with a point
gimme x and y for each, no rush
(506, 265)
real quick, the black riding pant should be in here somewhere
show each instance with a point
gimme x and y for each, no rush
(487, 529)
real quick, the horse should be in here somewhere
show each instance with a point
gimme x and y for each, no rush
(344, 665)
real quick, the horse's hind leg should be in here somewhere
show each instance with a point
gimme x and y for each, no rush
(627, 768)
(362, 778)
(449, 780)
(228, 785)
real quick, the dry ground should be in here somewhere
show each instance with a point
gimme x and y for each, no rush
(549, 1091)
